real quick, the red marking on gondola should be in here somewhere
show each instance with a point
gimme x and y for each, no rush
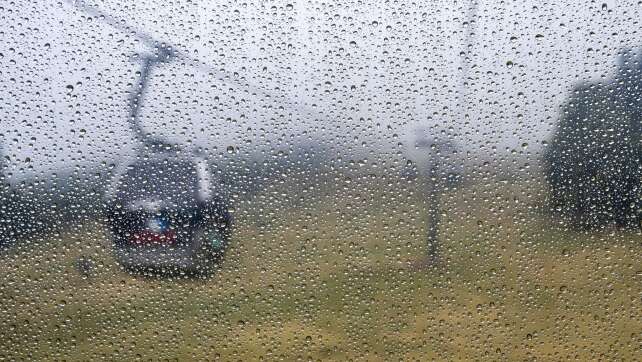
(147, 237)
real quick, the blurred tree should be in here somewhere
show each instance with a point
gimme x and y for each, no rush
(5, 198)
(17, 209)
(593, 162)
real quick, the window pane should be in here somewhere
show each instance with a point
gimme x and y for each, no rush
(320, 180)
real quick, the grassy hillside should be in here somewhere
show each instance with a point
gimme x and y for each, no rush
(332, 268)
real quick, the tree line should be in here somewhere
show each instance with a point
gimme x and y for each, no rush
(593, 163)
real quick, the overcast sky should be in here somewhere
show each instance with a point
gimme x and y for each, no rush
(349, 73)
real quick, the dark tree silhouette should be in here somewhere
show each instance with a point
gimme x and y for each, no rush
(593, 162)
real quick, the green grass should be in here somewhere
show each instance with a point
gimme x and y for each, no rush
(333, 270)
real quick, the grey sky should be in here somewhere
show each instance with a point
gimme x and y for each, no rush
(353, 73)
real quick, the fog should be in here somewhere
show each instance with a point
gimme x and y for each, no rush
(356, 77)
